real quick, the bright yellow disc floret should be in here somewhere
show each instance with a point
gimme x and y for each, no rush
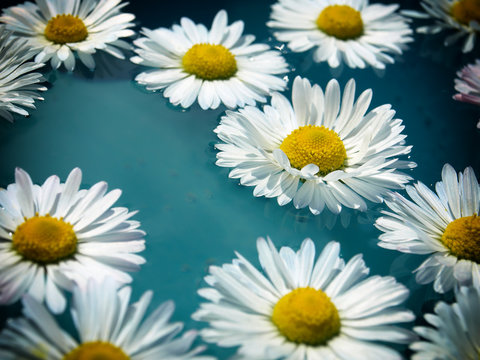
(462, 238)
(44, 239)
(65, 28)
(306, 316)
(315, 145)
(465, 11)
(96, 350)
(210, 62)
(341, 21)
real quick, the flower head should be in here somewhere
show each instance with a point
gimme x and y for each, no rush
(468, 85)
(61, 29)
(54, 234)
(109, 328)
(303, 308)
(319, 151)
(460, 16)
(215, 66)
(353, 32)
(445, 225)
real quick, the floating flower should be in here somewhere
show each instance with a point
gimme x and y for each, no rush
(317, 151)
(445, 225)
(468, 85)
(18, 84)
(55, 233)
(353, 32)
(462, 16)
(109, 328)
(456, 332)
(59, 29)
(216, 66)
(303, 309)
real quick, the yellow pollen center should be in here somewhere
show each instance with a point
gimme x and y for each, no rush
(44, 239)
(96, 350)
(315, 145)
(341, 21)
(66, 28)
(462, 238)
(465, 11)
(306, 316)
(210, 62)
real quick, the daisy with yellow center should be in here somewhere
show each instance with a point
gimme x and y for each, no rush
(62, 31)
(303, 308)
(108, 326)
(351, 32)
(317, 152)
(54, 234)
(215, 66)
(445, 225)
(460, 16)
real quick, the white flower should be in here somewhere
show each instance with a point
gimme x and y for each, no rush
(18, 84)
(352, 31)
(445, 225)
(108, 328)
(461, 16)
(216, 66)
(61, 29)
(55, 233)
(303, 309)
(317, 151)
(456, 332)
(468, 85)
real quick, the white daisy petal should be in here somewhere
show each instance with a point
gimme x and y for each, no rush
(265, 332)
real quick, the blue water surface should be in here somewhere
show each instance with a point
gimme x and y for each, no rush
(163, 157)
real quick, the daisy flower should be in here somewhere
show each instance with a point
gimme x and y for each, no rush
(317, 151)
(61, 29)
(461, 16)
(353, 31)
(109, 328)
(468, 85)
(55, 233)
(18, 83)
(216, 66)
(456, 332)
(445, 225)
(303, 309)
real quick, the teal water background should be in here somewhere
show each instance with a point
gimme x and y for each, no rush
(163, 157)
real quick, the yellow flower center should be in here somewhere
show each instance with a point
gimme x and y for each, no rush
(465, 11)
(315, 145)
(306, 316)
(210, 62)
(96, 350)
(462, 238)
(341, 21)
(66, 28)
(44, 239)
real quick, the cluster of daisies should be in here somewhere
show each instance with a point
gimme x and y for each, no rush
(324, 149)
